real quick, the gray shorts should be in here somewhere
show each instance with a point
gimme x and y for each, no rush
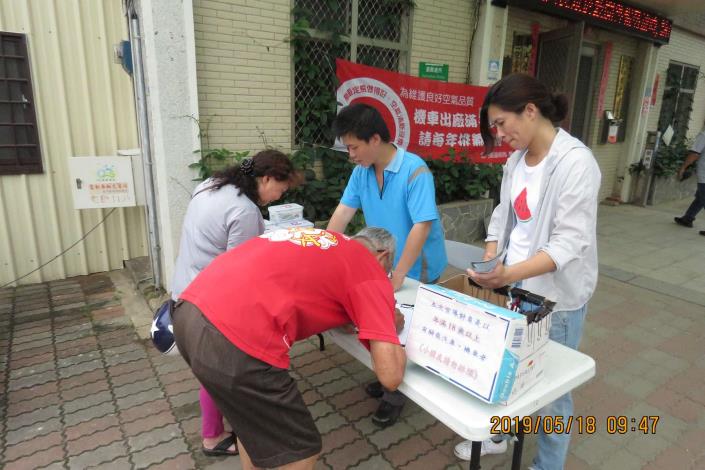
(261, 402)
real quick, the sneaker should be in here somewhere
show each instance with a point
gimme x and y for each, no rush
(375, 390)
(386, 414)
(702, 232)
(464, 450)
(683, 221)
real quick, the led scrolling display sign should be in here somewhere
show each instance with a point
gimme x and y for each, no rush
(610, 14)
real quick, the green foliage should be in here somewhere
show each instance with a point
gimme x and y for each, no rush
(321, 192)
(213, 160)
(669, 159)
(457, 178)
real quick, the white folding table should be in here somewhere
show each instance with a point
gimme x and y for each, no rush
(466, 415)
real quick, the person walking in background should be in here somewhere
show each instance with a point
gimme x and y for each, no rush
(695, 156)
(223, 213)
(395, 190)
(545, 224)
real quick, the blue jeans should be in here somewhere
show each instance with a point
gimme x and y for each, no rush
(567, 329)
(697, 204)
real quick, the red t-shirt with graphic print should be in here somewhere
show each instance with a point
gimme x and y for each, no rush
(288, 285)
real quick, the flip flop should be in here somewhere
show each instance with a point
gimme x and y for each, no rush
(222, 447)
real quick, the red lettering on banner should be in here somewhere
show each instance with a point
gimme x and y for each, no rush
(427, 117)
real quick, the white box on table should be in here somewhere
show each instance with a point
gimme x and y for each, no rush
(302, 223)
(285, 213)
(269, 226)
(489, 351)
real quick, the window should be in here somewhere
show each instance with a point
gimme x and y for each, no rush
(19, 139)
(677, 103)
(370, 32)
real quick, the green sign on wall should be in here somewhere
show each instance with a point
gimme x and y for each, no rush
(433, 71)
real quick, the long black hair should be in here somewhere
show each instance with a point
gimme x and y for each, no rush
(243, 175)
(513, 93)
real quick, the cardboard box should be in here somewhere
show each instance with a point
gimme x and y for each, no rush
(285, 213)
(491, 352)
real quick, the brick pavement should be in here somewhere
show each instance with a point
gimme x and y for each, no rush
(79, 389)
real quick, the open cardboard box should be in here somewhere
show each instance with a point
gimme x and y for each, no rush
(467, 335)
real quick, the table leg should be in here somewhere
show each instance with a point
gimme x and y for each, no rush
(475, 456)
(518, 448)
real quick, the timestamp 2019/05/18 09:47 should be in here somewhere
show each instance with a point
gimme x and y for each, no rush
(579, 424)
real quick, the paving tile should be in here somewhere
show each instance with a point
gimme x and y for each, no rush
(149, 422)
(622, 459)
(98, 456)
(86, 390)
(339, 438)
(140, 398)
(320, 409)
(407, 450)
(32, 352)
(181, 462)
(25, 406)
(181, 387)
(37, 459)
(77, 359)
(152, 437)
(16, 348)
(171, 367)
(81, 379)
(89, 401)
(159, 453)
(32, 360)
(338, 386)
(32, 417)
(95, 440)
(432, 459)
(421, 420)
(127, 357)
(135, 387)
(383, 438)
(129, 367)
(350, 454)
(186, 398)
(30, 446)
(31, 370)
(80, 368)
(30, 432)
(145, 409)
(329, 422)
(87, 428)
(88, 414)
(375, 462)
(120, 463)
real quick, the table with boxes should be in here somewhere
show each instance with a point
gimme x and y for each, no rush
(472, 360)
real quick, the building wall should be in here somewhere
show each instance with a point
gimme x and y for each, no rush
(607, 155)
(84, 106)
(441, 32)
(688, 48)
(244, 72)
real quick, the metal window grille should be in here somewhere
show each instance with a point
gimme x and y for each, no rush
(19, 139)
(678, 94)
(371, 32)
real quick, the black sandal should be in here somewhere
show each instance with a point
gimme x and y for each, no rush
(222, 448)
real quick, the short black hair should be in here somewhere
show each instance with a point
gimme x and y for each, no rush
(361, 120)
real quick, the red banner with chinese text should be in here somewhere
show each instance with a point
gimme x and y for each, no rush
(427, 117)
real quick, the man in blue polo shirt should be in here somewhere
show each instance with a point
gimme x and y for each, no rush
(395, 190)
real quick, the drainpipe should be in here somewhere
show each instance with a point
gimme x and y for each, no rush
(143, 125)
